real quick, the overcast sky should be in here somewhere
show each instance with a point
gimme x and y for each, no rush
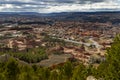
(48, 6)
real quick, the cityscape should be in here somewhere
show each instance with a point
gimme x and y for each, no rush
(62, 41)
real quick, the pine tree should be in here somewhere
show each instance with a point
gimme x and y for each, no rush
(11, 70)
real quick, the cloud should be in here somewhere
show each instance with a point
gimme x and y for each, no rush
(73, 1)
(47, 6)
(103, 6)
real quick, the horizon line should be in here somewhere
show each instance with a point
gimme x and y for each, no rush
(56, 12)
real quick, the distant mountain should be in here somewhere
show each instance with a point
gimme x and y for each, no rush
(101, 17)
(81, 13)
(19, 13)
(57, 14)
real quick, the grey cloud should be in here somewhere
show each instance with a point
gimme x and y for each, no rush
(50, 2)
(36, 5)
(59, 1)
(73, 1)
(20, 3)
(94, 0)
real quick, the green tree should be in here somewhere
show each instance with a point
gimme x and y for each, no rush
(80, 73)
(27, 73)
(110, 69)
(67, 70)
(11, 70)
(53, 75)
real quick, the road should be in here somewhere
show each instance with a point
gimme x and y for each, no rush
(97, 45)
